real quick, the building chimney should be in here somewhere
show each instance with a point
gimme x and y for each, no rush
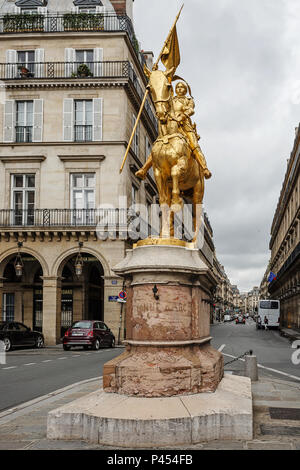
(149, 56)
(119, 6)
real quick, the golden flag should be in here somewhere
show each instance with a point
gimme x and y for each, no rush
(171, 55)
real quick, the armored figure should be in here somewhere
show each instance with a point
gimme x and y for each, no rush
(182, 110)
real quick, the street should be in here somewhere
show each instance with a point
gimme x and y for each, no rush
(272, 350)
(30, 373)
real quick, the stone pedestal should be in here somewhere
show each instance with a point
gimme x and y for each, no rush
(168, 348)
(159, 391)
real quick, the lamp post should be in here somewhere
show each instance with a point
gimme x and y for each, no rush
(18, 264)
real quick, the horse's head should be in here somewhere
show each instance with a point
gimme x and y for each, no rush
(161, 91)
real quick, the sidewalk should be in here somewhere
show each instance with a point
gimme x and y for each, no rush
(276, 406)
(289, 333)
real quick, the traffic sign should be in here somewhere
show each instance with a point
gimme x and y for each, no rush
(122, 295)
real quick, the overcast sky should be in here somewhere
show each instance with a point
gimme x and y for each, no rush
(242, 60)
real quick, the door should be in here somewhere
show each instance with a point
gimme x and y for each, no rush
(38, 310)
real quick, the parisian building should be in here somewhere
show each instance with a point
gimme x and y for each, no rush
(72, 82)
(285, 243)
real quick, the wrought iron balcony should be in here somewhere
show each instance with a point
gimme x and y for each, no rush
(69, 22)
(62, 218)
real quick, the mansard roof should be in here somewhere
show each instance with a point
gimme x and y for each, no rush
(31, 3)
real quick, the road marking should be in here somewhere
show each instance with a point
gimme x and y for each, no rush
(221, 347)
(268, 368)
(7, 368)
(30, 364)
(48, 360)
(60, 358)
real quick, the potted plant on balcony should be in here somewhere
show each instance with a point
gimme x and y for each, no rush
(83, 71)
(23, 23)
(83, 22)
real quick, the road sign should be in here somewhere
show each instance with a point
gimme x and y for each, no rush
(122, 295)
(113, 298)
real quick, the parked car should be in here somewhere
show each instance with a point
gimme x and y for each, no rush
(227, 317)
(240, 319)
(89, 334)
(15, 334)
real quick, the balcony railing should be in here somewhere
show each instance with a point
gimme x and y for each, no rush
(83, 133)
(24, 134)
(72, 70)
(48, 218)
(69, 22)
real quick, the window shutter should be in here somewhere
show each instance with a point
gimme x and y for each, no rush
(39, 67)
(68, 120)
(98, 57)
(9, 121)
(97, 119)
(75, 9)
(37, 135)
(17, 10)
(69, 59)
(11, 61)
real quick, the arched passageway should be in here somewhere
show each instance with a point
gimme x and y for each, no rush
(22, 293)
(82, 296)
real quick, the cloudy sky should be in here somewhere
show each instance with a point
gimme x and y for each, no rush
(242, 61)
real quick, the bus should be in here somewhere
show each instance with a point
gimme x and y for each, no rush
(271, 310)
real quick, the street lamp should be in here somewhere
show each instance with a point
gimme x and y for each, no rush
(18, 262)
(79, 261)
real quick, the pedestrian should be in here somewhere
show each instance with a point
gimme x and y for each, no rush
(266, 321)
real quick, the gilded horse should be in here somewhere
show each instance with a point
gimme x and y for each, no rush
(177, 174)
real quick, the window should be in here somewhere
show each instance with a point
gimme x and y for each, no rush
(134, 192)
(23, 199)
(24, 121)
(87, 9)
(26, 60)
(83, 198)
(136, 138)
(8, 307)
(85, 57)
(83, 131)
(29, 11)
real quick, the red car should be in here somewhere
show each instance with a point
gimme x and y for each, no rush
(89, 334)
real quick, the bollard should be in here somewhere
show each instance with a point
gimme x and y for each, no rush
(251, 368)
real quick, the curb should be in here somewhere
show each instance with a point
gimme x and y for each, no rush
(42, 398)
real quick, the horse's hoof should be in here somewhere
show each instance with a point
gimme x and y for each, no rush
(140, 174)
(207, 174)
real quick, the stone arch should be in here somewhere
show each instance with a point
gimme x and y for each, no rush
(6, 257)
(57, 267)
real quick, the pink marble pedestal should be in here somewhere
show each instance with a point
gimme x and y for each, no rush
(168, 349)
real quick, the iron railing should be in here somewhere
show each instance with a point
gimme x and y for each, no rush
(24, 133)
(63, 217)
(83, 133)
(57, 70)
(69, 22)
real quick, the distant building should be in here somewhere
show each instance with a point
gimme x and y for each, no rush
(285, 243)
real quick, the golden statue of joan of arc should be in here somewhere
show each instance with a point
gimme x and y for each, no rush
(178, 163)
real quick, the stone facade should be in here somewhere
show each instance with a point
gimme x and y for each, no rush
(63, 135)
(285, 243)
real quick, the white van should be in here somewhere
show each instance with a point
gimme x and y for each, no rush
(269, 309)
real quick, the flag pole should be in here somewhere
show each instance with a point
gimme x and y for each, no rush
(147, 92)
